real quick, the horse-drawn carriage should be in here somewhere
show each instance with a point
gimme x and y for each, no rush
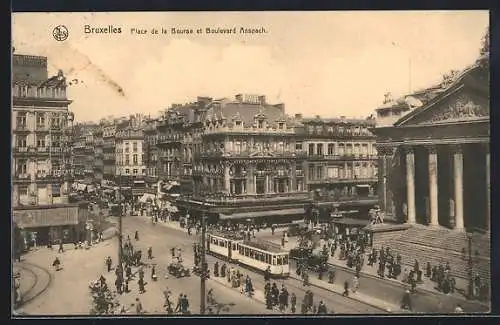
(178, 270)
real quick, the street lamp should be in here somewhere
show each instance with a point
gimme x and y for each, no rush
(204, 270)
(120, 226)
(470, 265)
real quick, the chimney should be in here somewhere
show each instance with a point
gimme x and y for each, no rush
(239, 98)
(281, 107)
(298, 116)
(262, 99)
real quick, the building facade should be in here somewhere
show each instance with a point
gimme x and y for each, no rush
(341, 164)
(434, 176)
(108, 149)
(98, 154)
(41, 165)
(130, 156)
(244, 164)
(40, 141)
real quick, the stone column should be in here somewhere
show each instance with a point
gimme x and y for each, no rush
(433, 186)
(488, 190)
(410, 185)
(459, 187)
(266, 184)
(227, 178)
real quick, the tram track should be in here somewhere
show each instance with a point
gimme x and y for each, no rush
(42, 280)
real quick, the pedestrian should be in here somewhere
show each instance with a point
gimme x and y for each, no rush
(118, 285)
(125, 286)
(216, 269)
(322, 308)
(142, 288)
(458, 309)
(57, 264)
(61, 247)
(138, 306)
(346, 289)
(185, 304)
(153, 273)
(178, 308)
(109, 262)
(355, 284)
(136, 235)
(406, 301)
(150, 253)
(293, 302)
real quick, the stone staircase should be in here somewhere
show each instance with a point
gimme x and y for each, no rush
(440, 245)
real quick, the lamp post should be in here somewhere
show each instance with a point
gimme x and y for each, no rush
(204, 270)
(120, 225)
(470, 266)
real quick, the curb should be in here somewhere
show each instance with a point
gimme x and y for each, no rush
(403, 285)
(351, 297)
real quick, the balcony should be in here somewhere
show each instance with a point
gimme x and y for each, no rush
(55, 176)
(21, 128)
(215, 153)
(42, 128)
(337, 180)
(236, 199)
(350, 157)
(22, 177)
(56, 150)
(299, 173)
(56, 128)
(164, 139)
(344, 199)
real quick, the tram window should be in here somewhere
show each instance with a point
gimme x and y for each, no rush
(262, 258)
(246, 251)
(241, 250)
(278, 260)
(274, 260)
(267, 259)
(252, 254)
(225, 244)
(285, 260)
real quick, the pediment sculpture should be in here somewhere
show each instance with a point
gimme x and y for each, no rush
(462, 108)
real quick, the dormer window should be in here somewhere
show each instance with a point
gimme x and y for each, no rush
(260, 124)
(238, 123)
(281, 125)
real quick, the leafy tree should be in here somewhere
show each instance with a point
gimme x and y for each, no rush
(485, 43)
(103, 300)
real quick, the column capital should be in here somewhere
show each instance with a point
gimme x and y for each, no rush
(408, 149)
(456, 148)
(431, 148)
(385, 149)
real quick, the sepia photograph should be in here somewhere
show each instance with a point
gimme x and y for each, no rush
(278, 163)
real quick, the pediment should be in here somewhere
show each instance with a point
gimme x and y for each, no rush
(462, 105)
(261, 154)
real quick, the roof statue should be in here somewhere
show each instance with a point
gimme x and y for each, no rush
(387, 98)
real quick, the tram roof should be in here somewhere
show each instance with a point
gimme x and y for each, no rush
(227, 235)
(265, 245)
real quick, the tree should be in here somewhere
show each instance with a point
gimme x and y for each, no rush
(103, 300)
(485, 43)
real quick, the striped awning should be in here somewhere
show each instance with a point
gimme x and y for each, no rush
(257, 214)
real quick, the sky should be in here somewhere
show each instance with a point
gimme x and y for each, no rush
(317, 63)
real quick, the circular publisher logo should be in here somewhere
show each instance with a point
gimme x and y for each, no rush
(60, 33)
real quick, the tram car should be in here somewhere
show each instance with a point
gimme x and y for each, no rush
(262, 255)
(224, 245)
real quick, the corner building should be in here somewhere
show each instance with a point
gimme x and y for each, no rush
(246, 165)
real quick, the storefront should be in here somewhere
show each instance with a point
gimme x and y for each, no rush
(41, 224)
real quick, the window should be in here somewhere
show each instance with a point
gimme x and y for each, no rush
(311, 172)
(136, 171)
(279, 260)
(40, 119)
(55, 121)
(260, 124)
(319, 149)
(127, 160)
(281, 125)
(238, 123)
(21, 119)
(143, 171)
(134, 146)
(127, 171)
(298, 146)
(22, 167)
(311, 149)
(331, 149)
(21, 141)
(56, 141)
(143, 159)
(135, 159)
(40, 142)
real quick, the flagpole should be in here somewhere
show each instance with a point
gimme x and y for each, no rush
(409, 75)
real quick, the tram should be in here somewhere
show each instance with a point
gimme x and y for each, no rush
(261, 255)
(224, 245)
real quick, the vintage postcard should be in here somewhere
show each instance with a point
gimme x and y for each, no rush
(246, 163)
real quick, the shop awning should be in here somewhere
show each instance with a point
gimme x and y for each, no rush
(146, 196)
(90, 188)
(108, 191)
(81, 187)
(363, 185)
(352, 222)
(269, 213)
